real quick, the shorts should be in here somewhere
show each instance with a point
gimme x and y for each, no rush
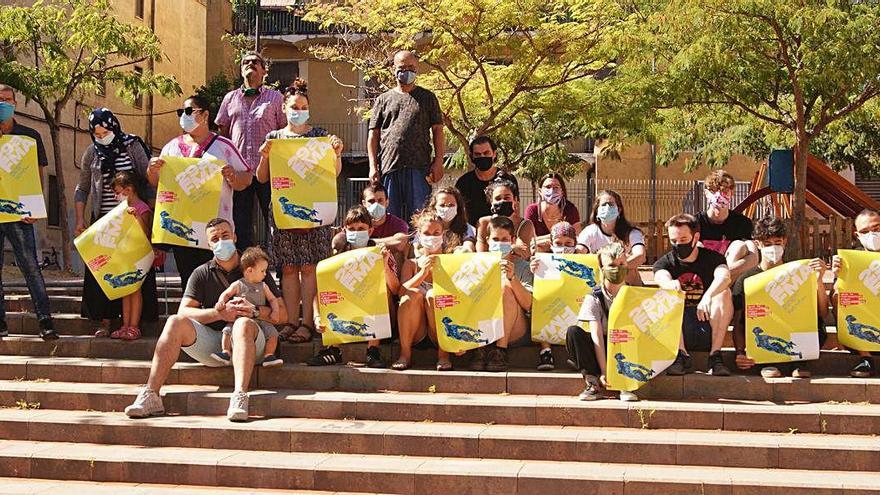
(268, 329)
(208, 341)
(697, 334)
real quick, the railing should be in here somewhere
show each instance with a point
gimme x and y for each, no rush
(273, 22)
(353, 135)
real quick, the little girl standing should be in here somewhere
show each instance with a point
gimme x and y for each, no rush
(130, 187)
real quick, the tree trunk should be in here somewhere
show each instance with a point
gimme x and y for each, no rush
(796, 237)
(63, 219)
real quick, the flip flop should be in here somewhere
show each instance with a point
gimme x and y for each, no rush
(444, 365)
(400, 365)
(298, 338)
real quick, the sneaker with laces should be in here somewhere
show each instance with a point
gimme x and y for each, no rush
(271, 361)
(238, 407)
(222, 357)
(682, 364)
(479, 357)
(591, 389)
(4, 330)
(148, 403)
(47, 329)
(864, 369)
(497, 360)
(545, 361)
(771, 372)
(374, 358)
(626, 396)
(326, 357)
(716, 365)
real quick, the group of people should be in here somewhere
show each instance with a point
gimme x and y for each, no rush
(234, 313)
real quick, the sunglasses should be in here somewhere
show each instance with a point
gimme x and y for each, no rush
(187, 110)
(251, 61)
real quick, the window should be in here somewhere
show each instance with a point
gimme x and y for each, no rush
(283, 72)
(139, 9)
(54, 211)
(139, 98)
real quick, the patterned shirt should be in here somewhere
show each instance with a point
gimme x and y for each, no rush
(250, 118)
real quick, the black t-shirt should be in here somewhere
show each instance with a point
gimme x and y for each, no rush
(718, 236)
(473, 190)
(23, 130)
(404, 121)
(694, 277)
(209, 281)
(738, 291)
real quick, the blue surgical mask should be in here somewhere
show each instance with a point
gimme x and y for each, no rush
(223, 249)
(377, 211)
(607, 213)
(188, 122)
(297, 117)
(106, 140)
(357, 238)
(6, 111)
(406, 76)
(500, 247)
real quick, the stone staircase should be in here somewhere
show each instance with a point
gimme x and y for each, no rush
(357, 430)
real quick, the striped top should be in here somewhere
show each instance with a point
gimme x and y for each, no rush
(122, 163)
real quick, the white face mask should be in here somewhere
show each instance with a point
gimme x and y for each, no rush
(561, 249)
(431, 243)
(870, 240)
(447, 213)
(773, 254)
(106, 140)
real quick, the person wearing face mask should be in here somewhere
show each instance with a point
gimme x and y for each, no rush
(388, 229)
(356, 234)
(199, 141)
(724, 231)
(448, 204)
(703, 276)
(563, 240)
(21, 236)
(770, 237)
(415, 315)
(586, 342)
(552, 207)
(608, 223)
(405, 123)
(473, 183)
(867, 224)
(296, 252)
(112, 151)
(245, 116)
(197, 328)
(504, 198)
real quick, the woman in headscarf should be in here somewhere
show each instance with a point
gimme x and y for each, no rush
(111, 151)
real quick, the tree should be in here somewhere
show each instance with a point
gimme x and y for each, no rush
(528, 72)
(61, 49)
(214, 90)
(726, 72)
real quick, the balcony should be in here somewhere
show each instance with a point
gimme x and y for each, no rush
(354, 135)
(275, 20)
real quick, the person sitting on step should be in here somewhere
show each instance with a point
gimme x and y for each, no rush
(771, 237)
(585, 342)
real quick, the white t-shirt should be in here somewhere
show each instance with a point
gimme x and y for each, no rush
(594, 239)
(221, 149)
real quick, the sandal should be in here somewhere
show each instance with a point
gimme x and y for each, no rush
(300, 337)
(130, 333)
(117, 334)
(444, 365)
(102, 333)
(400, 365)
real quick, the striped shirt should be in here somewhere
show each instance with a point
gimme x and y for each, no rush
(250, 118)
(108, 195)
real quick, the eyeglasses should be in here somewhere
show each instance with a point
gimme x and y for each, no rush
(187, 110)
(251, 61)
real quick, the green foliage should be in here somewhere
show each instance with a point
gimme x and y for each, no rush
(240, 44)
(214, 90)
(853, 142)
(529, 73)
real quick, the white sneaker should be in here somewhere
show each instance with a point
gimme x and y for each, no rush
(771, 372)
(148, 403)
(628, 396)
(238, 407)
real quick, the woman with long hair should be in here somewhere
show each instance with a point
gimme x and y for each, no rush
(551, 208)
(449, 206)
(608, 223)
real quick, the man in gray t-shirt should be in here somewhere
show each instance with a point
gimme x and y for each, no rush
(405, 122)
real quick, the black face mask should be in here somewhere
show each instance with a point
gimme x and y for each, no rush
(502, 208)
(682, 251)
(482, 163)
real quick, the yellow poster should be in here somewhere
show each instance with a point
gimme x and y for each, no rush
(644, 330)
(781, 314)
(561, 282)
(303, 172)
(467, 300)
(858, 303)
(187, 199)
(116, 251)
(353, 297)
(20, 191)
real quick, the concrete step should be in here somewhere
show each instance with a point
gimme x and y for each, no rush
(729, 415)
(73, 304)
(831, 363)
(33, 486)
(392, 438)
(26, 323)
(697, 386)
(404, 474)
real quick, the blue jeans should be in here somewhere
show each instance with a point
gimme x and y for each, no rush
(408, 191)
(24, 247)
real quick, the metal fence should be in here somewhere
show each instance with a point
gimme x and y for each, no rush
(273, 22)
